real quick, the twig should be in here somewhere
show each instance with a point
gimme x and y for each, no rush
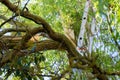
(7, 20)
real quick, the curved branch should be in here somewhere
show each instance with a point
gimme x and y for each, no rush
(55, 36)
(29, 33)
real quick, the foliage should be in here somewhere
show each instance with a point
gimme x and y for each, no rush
(26, 57)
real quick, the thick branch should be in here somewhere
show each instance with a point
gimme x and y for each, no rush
(41, 46)
(45, 45)
(47, 27)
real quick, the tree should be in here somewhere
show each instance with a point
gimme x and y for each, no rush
(59, 39)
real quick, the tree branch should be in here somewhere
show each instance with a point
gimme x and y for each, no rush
(55, 36)
(11, 30)
(8, 20)
(41, 46)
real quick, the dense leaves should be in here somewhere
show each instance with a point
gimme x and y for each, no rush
(30, 52)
